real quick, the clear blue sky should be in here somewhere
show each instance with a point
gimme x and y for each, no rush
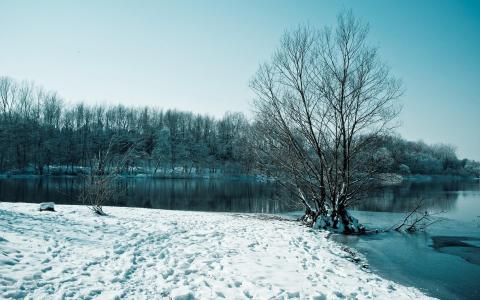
(200, 55)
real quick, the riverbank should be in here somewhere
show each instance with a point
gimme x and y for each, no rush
(386, 179)
(150, 254)
(443, 261)
(137, 172)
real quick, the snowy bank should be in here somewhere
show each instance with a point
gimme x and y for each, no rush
(139, 253)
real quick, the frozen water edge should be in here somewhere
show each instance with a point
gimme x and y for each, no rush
(137, 253)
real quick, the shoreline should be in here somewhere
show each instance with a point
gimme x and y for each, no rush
(396, 178)
(153, 253)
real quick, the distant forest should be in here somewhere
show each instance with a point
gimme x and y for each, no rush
(40, 134)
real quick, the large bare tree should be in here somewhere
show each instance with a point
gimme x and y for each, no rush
(322, 102)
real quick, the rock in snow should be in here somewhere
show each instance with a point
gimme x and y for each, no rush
(47, 206)
(140, 253)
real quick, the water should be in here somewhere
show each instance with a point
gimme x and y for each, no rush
(443, 262)
(179, 194)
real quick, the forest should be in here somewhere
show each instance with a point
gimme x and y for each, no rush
(41, 134)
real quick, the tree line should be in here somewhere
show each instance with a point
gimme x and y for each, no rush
(410, 158)
(39, 131)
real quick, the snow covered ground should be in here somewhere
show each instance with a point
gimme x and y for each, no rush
(139, 253)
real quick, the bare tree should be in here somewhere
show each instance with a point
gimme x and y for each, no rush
(322, 102)
(100, 184)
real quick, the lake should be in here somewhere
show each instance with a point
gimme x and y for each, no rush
(444, 261)
(233, 195)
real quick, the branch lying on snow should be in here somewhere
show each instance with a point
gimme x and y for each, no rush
(417, 219)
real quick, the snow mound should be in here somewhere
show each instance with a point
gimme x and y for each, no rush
(156, 254)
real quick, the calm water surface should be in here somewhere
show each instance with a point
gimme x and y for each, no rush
(444, 261)
(234, 195)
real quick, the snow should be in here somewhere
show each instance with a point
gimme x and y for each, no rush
(137, 253)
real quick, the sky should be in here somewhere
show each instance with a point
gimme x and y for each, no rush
(200, 55)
